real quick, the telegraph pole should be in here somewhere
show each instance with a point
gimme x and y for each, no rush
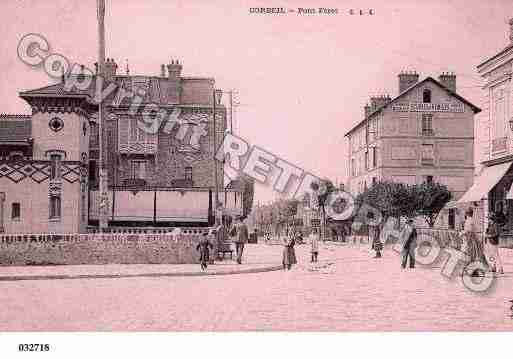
(103, 207)
(214, 151)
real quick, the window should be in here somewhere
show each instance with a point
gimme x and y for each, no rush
(452, 219)
(429, 179)
(353, 167)
(16, 156)
(55, 207)
(374, 157)
(427, 124)
(499, 115)
(139, 169)
(16, 211)
(92, 172)
(366, 160)
(188, 173)
(428, 152)
(2, 200)
(374, 180)
(426, 96)
(55, 167)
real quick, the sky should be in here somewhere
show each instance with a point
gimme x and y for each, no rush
(301, 80)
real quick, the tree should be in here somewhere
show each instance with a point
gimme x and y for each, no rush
(321, 191)
(391, 199)
(431, 197)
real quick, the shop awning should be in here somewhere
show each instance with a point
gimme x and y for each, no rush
(486, 180)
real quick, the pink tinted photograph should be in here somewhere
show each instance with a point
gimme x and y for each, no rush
(242, 166)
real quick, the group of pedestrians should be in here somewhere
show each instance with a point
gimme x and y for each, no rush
(473, 245)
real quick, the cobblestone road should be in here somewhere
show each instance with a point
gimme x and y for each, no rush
(349, 291)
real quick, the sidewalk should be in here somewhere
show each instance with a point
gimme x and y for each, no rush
(257, 258)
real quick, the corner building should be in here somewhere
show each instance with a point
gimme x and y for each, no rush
(426, 133)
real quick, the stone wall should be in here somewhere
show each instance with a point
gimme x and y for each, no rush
(100, 249)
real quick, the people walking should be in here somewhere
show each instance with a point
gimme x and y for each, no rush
(204, 247)
(376, 243)
(241, 233)
(314, 243)
(492, 238)
(409, 237)
(473, 246)
(289, 253)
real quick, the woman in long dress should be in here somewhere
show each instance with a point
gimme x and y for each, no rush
(289, 254)
(473, 246)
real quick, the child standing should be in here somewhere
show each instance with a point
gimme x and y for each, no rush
(314, 242)
(204, 247)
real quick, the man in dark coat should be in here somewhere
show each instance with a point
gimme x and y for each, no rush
(241, 233)
(410, 244)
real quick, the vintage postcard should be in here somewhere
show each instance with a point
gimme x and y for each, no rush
(255, 166)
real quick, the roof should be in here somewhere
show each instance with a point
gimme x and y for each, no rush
(158, 90)
(500, 53)
(451, 92)
(15, 128)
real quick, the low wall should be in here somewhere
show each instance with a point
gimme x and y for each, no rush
(99, 249)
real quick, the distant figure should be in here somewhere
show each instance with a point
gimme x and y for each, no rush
(314, 243)
(376, 243)
(289, 253)
(204, 247)
(492, 237)
(241, 234)
(409, 236)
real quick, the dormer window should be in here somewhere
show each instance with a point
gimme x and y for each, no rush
(426, 96)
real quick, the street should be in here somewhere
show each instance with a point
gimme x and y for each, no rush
(348, 290)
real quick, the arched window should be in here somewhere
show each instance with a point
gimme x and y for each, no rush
(426, 96)
(16, 156)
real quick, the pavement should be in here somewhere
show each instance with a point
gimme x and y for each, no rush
(257, 258)
(347, 290)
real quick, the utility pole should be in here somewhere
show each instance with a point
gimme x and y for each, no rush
(231, 111)
(103, 207)
(214, 151)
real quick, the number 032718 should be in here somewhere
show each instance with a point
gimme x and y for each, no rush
(33, 347)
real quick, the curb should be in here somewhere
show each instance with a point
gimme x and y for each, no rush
(149, 275)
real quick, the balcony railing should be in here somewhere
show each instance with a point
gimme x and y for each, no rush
(145, 148)
(427, 162)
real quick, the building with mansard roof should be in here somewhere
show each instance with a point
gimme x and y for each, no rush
(492, 189)
(159, 153)
(425, 133)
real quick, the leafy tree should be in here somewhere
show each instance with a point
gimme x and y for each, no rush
(431, 198)
(392, 199)
(321, 191)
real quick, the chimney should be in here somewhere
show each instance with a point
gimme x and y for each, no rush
(162, 70)
(448, 79)
(511, 30)
(378, 102)
(174, 70)
(407, 79)
(109, 72)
